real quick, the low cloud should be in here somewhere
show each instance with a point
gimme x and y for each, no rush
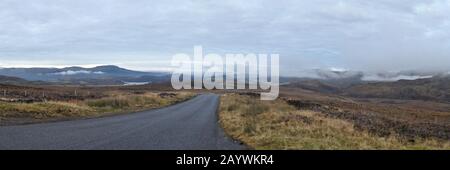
(70, 72)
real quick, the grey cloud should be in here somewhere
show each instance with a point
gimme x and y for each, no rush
(351, 34)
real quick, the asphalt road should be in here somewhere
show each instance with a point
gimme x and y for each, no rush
(189, 125)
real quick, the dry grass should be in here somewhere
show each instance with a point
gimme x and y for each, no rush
(115, 103)
(277, 125)
(43, 110)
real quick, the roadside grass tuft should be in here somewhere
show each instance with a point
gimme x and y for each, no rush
(43, 110)
(109, 102)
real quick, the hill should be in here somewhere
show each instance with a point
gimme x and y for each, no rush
(436, 88)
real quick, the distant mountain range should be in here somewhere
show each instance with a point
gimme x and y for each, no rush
(395, 85)
(102, 75)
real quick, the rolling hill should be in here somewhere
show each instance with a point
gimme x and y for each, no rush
(436, 88)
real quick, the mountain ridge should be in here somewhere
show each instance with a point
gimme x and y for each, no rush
(105, 74)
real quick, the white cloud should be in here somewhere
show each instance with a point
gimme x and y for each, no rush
(394, 78)
(72, 72)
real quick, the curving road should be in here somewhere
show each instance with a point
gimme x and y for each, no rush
(188, 125)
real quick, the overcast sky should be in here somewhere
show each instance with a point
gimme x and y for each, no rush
(145, 34)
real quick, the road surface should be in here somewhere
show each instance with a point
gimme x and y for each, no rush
(189, 125)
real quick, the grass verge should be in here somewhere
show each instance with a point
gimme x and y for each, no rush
(115, 103)
(277, 125)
